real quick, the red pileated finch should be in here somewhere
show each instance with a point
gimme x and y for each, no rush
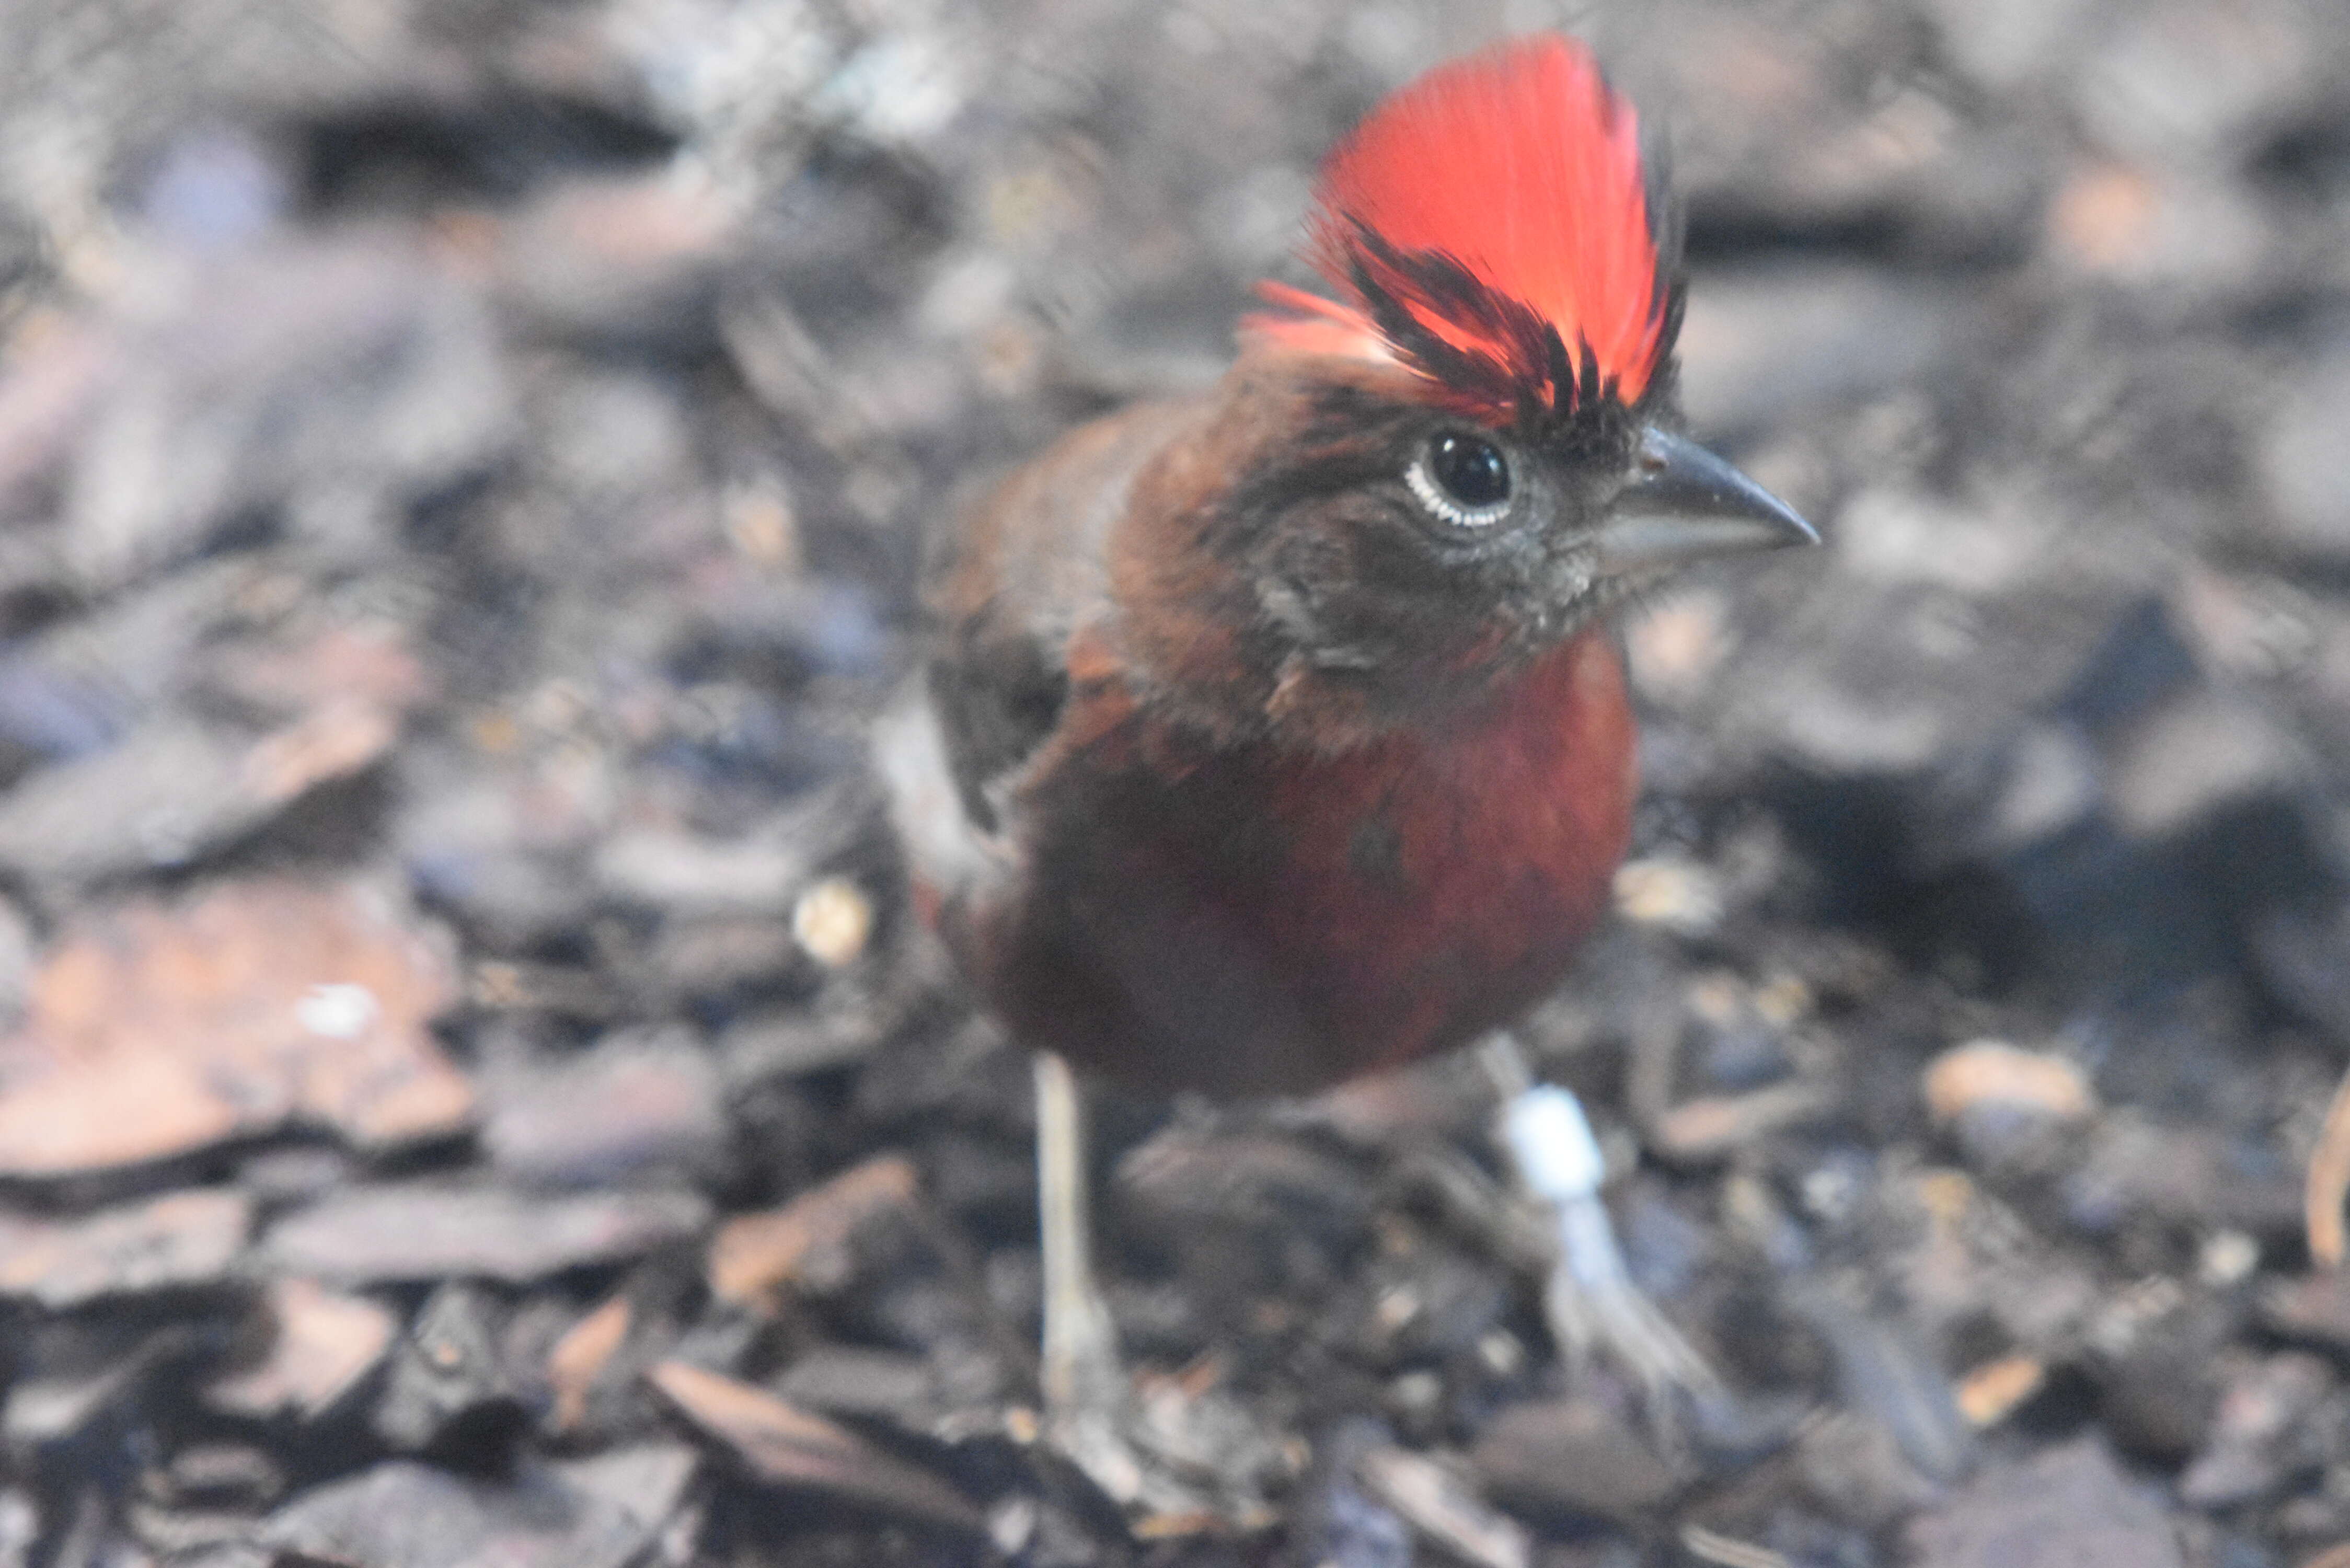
(1276, 736)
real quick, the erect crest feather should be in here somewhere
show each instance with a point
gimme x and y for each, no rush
(1489, 226)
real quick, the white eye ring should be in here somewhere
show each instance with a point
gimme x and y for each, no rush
(1442, 507)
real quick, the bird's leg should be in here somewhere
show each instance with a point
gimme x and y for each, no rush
(1189, 1457)
(1087, 1393)
(1590, 1301)
(1081, 1365)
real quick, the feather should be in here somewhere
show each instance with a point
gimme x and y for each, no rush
(1490, 226)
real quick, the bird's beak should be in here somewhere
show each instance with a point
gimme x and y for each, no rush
(1685, 504)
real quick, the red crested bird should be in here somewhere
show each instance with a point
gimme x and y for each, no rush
(1277, 736)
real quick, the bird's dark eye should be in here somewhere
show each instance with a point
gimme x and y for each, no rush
(1471, 472)
(1462, 479)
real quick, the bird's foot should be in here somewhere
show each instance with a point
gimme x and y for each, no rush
(1176, 1454)
(1173, 1451)
(1089, 1399)
(1598, 1312)
(1593, 1309)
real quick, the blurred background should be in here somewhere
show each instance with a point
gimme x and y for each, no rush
(472, 1096)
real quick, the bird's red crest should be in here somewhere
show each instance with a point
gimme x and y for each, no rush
(1490, 226)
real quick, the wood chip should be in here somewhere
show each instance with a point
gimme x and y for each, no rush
(43, 1410)
(371, 1235)
(401, 1515)
(177, 789)
(2053, 1508)
(156, 1030)
(1995, 1390)
(328, 661)
(2327, 1185)
(580, 1357)
(680, 872)
(1436, 1502)
(1714, 1126)
(807, 1240)
(633, 1105)
(1993, 1074)
(333, 742)
(785, 1446)
(326, 1344)
(2311, 1307)
(1571, 1455)
(175, 1242)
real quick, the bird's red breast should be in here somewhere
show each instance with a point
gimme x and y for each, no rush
(1258, 918)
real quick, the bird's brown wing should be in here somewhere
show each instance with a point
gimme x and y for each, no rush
(1006, 589)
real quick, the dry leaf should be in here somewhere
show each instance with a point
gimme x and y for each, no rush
(788, 1446)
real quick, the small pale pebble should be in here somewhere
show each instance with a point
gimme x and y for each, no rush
(2227, 1258)
(1997, 1389)
(1680, 896)
(833, 921)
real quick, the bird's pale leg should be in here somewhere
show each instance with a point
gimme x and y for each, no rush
(1087, 1393)
(1590, 1301)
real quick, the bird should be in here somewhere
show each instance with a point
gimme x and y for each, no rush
(1279, 734)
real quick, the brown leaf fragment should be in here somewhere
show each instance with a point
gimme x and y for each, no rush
(325, 1345)
(2327, 1183)
(1992, 1073)
(1997, 1389)
(371, 1235)
(785, 1446)
(1715, 1127)
(334, 741)
(155, 1030)
(806, 1242)
(177, 1241)
(56, 374)
(317, 667)
(580, 1357)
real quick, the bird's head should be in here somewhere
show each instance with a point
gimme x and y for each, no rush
(1404, 495)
